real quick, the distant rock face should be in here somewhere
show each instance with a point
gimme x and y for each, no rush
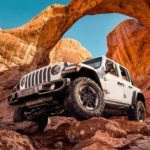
(69, 50)
(129, 45)
(36, 38)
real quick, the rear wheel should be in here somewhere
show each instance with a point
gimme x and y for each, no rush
(84, 99)
(138, 113)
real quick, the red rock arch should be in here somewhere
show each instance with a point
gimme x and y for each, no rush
(46, 29)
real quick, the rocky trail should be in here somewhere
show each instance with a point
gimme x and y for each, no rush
(64, 133)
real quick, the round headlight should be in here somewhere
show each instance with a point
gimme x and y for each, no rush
(55, 70)
(22, 81)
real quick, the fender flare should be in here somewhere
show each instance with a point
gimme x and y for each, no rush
(137, 96)
(86, 72)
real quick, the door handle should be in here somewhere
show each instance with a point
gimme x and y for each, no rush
(130, 87)
(121, 84)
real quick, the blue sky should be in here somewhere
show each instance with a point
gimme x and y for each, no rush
(90, 31)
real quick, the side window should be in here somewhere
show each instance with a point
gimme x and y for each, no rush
(111, 67)
(124, 74)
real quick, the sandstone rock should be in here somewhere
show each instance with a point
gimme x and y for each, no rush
(37, 37)
(102, 141)
(62, 131)
(112, 141)
(86, 129)
(6, 112)
(129, 44)
(133, 127)
(93, 144)
(54, 136)
(69, 50)
(67, 133)
(25, 127)
(12, 140)
(142, 144)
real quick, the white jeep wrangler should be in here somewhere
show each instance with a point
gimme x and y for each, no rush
(88, 89)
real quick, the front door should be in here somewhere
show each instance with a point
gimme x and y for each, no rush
(114, 86)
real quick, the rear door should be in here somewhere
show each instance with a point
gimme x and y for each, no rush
(127, 86)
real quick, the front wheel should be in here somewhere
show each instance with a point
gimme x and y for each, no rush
(138, 113)
(84, 99)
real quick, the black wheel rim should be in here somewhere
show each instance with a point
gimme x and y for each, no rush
(141, 114)
(88, 97)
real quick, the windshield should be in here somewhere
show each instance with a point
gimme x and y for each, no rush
(95, 63)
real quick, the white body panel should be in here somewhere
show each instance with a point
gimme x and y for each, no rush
(116, 89)
(114, 92)
(127, 92)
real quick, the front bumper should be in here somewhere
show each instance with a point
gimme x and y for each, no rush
(39, 90)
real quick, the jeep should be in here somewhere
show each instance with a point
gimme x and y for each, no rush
(89, 89)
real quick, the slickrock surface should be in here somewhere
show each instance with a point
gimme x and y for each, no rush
(68, 133)
(13, 140)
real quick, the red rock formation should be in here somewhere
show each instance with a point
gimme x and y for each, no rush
(12, 140)
(44, 31)
(69, 50)
(129, 44)
(27, 47)
(67, 133)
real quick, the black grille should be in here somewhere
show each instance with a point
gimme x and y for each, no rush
(49, 74)
(38, 77)
(44, 75)
(33, 79)
(26, 84)
(29, 81)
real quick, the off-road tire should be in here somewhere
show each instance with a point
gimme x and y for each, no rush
(134, 113)
(72, 101)
(41, 123)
